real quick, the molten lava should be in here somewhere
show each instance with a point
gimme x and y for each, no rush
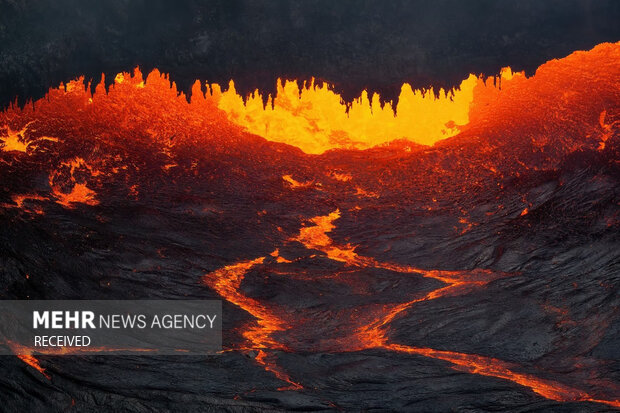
(34, 363)
(16, 141)
(78, 192)
(227, 282)
(143, 143)
(315, 119)
(487, 366)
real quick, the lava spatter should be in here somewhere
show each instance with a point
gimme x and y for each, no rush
(19, 141)
(66, 188)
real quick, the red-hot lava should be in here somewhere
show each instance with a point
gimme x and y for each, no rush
(227, 282)
(87, 145)
(491, 367)
(34, 363)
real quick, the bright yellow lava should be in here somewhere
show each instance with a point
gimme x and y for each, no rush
(14, 141)
(315, 118)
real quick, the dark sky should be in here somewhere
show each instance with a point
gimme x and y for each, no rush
(353, 44)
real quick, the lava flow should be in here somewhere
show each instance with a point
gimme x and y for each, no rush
(443, 226)
(491, 367)
(227, 282)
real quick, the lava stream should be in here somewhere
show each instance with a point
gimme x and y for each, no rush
(227, 282)
(34, 363)
(488, 366)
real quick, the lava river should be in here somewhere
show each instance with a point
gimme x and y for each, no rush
(366, 328)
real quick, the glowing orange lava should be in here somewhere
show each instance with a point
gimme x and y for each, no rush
(315, 237)
(374, 334)
(487, 366)
(569, 104)
(25, 355)
(34, 363)
(227, 282)
(78, 191)
(24, 201)
(18, 142)
(315, 119)
(296, 184)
